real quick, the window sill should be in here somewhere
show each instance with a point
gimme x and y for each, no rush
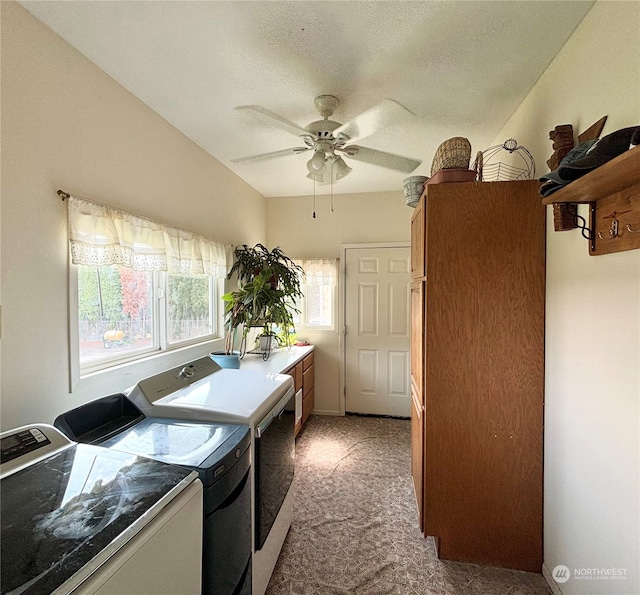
(122, 376)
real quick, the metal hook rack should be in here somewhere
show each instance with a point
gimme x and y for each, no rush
(613, 193)
(613, 231)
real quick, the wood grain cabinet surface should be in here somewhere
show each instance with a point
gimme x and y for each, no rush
(308, 372)
(478, 370)
(303, 378)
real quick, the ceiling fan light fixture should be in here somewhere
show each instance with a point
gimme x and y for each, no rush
(316, 164)
(316, 177)
(340, 168)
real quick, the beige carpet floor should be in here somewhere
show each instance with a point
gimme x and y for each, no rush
(355, 522)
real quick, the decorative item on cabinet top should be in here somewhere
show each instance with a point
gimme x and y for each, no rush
(454, 153)
(506, 162)
(413, 187)
(450, 164)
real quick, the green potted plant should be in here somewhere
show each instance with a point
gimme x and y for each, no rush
(250, 261)
(236, 316)
(268, 287)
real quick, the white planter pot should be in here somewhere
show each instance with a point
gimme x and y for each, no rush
(265, 342)
(413, 187)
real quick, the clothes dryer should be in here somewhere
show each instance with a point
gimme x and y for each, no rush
(81, 519)
(203, 391)
(219, 453)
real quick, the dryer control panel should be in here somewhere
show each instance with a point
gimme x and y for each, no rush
(175, 379)
(28, 444)
(21, 443)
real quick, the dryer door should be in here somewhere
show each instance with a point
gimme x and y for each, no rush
(275, 463)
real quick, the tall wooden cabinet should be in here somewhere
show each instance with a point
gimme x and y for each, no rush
(477, 370)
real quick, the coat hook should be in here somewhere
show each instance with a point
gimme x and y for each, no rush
(613, 231)
(632, 230)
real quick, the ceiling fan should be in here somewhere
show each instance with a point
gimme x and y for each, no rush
(328, 139)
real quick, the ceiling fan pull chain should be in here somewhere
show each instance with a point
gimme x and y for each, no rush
(331, 178)
(314, 199)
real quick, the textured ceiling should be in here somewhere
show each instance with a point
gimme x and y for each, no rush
(462, 67)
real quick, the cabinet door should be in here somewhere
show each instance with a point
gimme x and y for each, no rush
(308, 381)
(417, 452)
(307, 361)
(417, 241)
(484, 372)
(297, 376)
(308, 402)
(417, 333)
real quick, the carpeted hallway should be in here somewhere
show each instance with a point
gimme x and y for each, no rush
(355, 529)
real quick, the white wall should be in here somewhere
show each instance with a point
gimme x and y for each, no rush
(66, 124)
(592, 488)
(357, 219)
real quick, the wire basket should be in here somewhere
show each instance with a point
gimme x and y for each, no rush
(519, 164)
(452, 153)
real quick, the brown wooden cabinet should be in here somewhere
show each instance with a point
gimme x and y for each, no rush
(417, 239)
(303, 379)
(478, 370)
(296, 373)
(417, 450)
(417, 400)
(307, 386)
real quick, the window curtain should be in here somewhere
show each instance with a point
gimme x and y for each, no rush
(319, 271)
(100, 235)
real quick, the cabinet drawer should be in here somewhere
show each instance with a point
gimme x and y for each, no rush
(307, 361)
(307, 380)
(296, 373)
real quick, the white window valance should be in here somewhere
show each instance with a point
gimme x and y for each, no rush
(100, 235)
(319, 271)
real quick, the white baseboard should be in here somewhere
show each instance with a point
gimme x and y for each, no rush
(552, 584)
(326, 412)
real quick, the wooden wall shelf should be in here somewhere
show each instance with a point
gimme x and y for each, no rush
(614, 191)
(615, 175)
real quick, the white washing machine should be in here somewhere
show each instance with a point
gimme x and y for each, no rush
(203, 391)
(84, 519)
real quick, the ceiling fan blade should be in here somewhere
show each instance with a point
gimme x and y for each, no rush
(375, 157)
(261, 156)
(274, 118)
(376, 118)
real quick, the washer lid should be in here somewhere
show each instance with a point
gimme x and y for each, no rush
(190, 444)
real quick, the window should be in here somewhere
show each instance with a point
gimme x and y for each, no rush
(124, 314)
(317, 307)
(191, 311)
(142, 287)
(115, 313)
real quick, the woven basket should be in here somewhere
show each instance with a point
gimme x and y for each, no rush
(452, 153)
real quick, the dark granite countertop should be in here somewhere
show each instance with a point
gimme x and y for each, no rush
(60, 513)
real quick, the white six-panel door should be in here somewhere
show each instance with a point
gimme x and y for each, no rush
(377, 297)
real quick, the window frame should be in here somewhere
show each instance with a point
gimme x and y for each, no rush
(302, 303)
(161, 349)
